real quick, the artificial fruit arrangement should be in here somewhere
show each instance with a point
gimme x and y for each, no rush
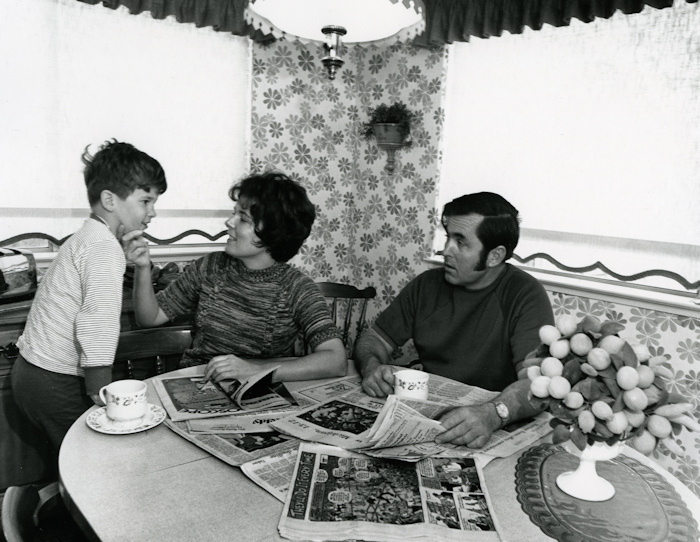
(599, 388)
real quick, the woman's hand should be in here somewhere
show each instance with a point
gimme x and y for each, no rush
(229, 367)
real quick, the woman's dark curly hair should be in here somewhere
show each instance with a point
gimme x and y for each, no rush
(281, 211)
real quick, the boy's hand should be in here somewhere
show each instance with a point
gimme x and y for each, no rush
(136, 248)
(96, 399)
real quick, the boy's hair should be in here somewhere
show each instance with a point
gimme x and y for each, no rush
(281, 211)
(121, 168)
(500, 225)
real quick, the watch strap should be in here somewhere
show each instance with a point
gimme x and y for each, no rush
(502, 411)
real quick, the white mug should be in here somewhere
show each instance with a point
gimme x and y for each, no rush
(125, 402)
(411, 384)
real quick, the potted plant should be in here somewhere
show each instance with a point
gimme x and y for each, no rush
(397, 114)
(390, 126)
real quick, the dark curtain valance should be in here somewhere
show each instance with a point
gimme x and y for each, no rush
(221, 15)
(447, 21)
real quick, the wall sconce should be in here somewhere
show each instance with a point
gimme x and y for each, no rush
(333, 45)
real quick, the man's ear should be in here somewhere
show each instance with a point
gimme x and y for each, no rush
(496, 256)
(108, 200)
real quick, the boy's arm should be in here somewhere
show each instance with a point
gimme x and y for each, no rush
(95, 379)
(146, 309)
(97, 323)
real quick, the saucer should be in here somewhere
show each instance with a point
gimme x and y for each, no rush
(98, 420)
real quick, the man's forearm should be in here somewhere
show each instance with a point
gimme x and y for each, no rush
(370, 352)
(515, 397)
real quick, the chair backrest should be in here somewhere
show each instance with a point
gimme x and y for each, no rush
(143, 353)
(18, 507)
(344, 300)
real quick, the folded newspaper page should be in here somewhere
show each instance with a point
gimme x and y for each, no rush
(400, 428)
(343, 421)
(338, 495)
(305, 395)
(319, 391)
(240, 422)
(408, 430)
(237, 448)
(191, 397)
(273, 472)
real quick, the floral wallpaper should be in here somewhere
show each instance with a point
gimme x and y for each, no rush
(372, 227)
(375, 228)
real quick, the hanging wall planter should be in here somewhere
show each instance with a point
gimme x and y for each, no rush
(390, 126)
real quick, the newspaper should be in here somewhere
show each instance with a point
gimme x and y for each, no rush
(343, 422)
(241, 422)
(320, 391)
(237, 448)
(338, 494)
(402, 428)
(243, 436)
(245, 422)
(273, 472)
(406, 430)
(191, 397)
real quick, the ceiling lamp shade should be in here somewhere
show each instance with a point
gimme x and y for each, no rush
(327, 21)
(364, 20)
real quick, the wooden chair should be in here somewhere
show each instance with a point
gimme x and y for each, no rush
(18, 507)
(344, 299)
(37, 512)
(143, 353)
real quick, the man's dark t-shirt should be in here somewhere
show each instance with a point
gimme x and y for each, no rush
(473, 336)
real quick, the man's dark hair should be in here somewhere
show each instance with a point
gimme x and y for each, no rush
(281, 211)
(121, 168)
(501, 224)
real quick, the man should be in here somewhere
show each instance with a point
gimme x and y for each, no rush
(473, 321)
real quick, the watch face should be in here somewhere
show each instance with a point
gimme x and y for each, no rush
(502, 410)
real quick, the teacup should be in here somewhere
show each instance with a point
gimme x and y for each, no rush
(411, 384)
(125, 402)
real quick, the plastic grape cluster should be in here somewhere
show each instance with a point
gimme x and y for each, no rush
(600, 388)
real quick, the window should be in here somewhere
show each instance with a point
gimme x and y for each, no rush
(76, 74)
(591, 131)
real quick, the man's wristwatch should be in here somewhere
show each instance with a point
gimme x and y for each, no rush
(502, 411)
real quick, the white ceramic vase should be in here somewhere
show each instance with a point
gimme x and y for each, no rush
(584, 482)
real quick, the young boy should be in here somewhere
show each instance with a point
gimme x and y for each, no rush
(68, 344)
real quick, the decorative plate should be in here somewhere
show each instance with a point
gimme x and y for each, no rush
(98, 420)
(645, 507)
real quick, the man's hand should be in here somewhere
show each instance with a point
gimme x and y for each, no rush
(471, 426)
(135, 248)
(229, 366)
(378, 380)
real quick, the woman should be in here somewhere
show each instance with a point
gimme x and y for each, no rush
(250, 305)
